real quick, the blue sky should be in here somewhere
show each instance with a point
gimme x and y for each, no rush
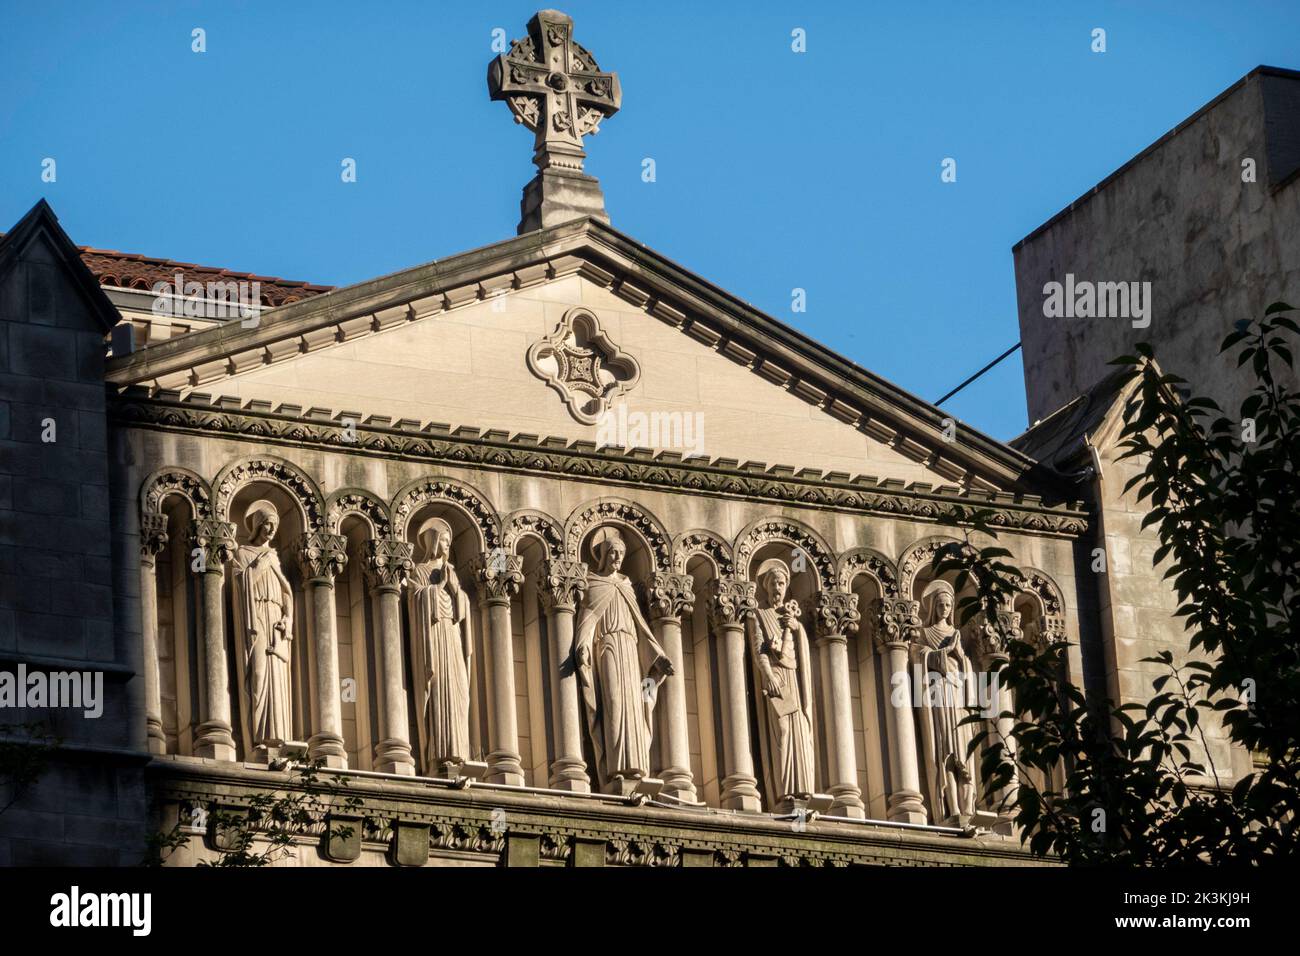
(774, 170)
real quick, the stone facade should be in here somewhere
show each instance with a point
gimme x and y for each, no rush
(549, 554)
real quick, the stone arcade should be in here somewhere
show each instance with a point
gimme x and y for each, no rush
(375, 529)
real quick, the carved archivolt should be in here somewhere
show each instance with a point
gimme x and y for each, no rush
(871, 563)
(175, 481)
(276, 471)
(706, 543)
(1046, 592)
(530, 523)
(466, 499)
(357, 501)
(918, 556)
(583, 365)
(619, 512)
(787, 531)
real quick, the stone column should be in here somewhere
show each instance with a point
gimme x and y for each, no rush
(898, 623)
(731, 602)
(322, 556)
(991, 646)
(153, 538)
(214, 544)
(837, 617)
(388, 563)
(499, 576)
(561, 588)
(670, 595)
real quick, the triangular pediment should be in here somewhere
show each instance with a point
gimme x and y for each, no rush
(540, 334)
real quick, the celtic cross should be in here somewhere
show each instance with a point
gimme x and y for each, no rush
(554, 87)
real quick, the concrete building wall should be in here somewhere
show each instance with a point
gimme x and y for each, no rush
(1178, 215)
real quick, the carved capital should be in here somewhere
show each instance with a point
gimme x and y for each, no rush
(896, 622)
(669, 595)
(215, 542)
(1046, 632)
(322, 556)
(991, 636)
(732, 601)
(388, 563)
(499, 575)
(153, 536)
(837, 615)
(562, 585)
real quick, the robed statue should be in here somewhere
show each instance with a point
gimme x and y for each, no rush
(265, 602)
(782, 668)
(944, 672)
(441, 650)
(620, 666)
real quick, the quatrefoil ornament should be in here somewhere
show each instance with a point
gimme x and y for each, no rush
(583, 365)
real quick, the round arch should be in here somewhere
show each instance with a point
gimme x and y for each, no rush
(464, 497)
(786, 531)
(301, 488)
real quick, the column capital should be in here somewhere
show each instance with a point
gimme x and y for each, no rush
(561, 584)
(388, 563)
(669, 595)
(837, 615)
(896, 622)
(215, 542)
(499, 575)
(322, 556)
(991, 636)
(153, 536)
(732, 599)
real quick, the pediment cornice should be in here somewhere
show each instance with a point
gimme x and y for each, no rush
(647, 280)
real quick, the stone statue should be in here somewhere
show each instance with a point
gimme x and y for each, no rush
(441, 650)
(620, 667)
(266, 621)
(783, 677)
(944, 670)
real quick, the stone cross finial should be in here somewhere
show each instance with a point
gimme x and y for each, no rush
(554, 87)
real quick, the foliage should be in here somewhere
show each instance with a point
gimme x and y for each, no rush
(1133, 784)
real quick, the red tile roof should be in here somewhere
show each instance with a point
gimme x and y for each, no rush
(131, 271)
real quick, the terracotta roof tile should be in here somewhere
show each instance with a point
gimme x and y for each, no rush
(130, 270)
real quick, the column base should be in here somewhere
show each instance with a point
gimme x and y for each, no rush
(905, 806)
(157, 742)
(328, 749)
(679, 784)
(394, 756)
(740, 792)
(504, 767)
(214, 741)
(847, 803)
(571, 775)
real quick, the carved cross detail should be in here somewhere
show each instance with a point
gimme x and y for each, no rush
(554, 87)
